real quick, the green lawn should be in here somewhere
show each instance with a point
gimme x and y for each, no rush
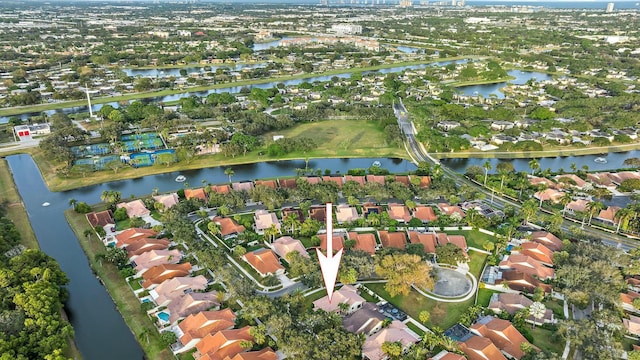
(475, 238)
(135, 284)
(15, 208)
(547, 340)
(557, 308)
(484, 296)
(415, 329)
(476, 263)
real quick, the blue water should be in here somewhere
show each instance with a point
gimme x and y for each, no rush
(146, 300)
(509, 247)
(163, 316)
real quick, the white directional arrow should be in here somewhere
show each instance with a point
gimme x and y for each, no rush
(331, 263)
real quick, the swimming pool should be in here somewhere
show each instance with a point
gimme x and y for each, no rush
(146, 300)
(163, 316)
(509, 247)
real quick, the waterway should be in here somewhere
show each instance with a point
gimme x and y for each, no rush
(613, 161)
(166, 72)
(100, 331)
(486, 90)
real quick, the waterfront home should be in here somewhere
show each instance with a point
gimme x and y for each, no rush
(578, 205)
(286, 244)
(338, 241)
(195, 194)
(220, 189)
(367, 320)
(547, 239)
(537, 251)
(359, 179)
(135, 208)
(424, 181)
(192, 303)
(172, 289)
(608, 215)
(131, 235)
(228, 227)
(267, 183)
(395, 239)
(287, 183)
(159, 274)
(573, 181)
(527, 265)
(618, 178)
(364, 242)
(147, 244)
(223, 344)
(338, 180)
(264, 261)
(167, 200)
(602, 180)
(346, 213)
(395, 332)
(380, 179)
(552, 195)
(503, 334)
(425, 213)
(196, 326)
(346, 295)
(428, 240)
(242, 186)
(535, 181)
(152, 258)
(313, 180)
(103, 219)
(481, 348)
(264, 220)
(399, 213)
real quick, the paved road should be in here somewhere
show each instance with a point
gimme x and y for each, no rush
(418, 152)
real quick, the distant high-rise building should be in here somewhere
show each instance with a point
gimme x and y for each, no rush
(406, 3)
(610, 7)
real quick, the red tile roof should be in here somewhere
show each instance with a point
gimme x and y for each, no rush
(197, 326)
(264, 354)
(312, 179)
(404, 179)
(228, 226)
(359, 179)
(399, 212)
(264, 261)
(394, 239)
(287, 183)
(428, 240)
(222, 344)
(527, 265)
(267, 183)
(102, 218)
(336, 179)
(364, 242)
(129, 236)
(221, 189)
(481, 348)
(338, 241)
(425, 213)
(318, 213)
(143, 245)
(425, 181)
(503, 334)
(519, 281)
(195, 193)
(537, 251)
(157, 274)
(547, 239)
(380, 179)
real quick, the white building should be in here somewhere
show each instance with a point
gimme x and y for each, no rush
(610, 7)
(347, 29)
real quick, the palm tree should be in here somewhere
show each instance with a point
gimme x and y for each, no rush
(593, 208)
(73, 202)
(229, 172)
(537, 310)
(623, 215)
(487, 167)
(565, 200)
(534, 165)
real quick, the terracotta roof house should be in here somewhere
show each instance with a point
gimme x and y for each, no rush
(425, 181)
(428, 240)
(221, 189)
(368, 320)
(242, 186)
(445, 355)
(264, 219)
(459, 241)
(512, 303)
(547, 239)
(147, 244)
(481, 348)
(627, 300)
(312, 179)
(502, 333)
(224, 343)
(369, 208)
(287, 183)
(552, 195)
(577, 205)
(633, 282)
(197, 326)
(608, 215)
(346, 213)
(264, 261)
(135, 208)
(359, 179)
(632, 324)
(347, 294)
(396, 332)
(267, 183)
(228, 227)
(129, 236)
(101, 218)
(286, 244)
(451, 210)
(167, 200)
(264, 354)
(336, 179)
(538, 252)
(573, 181)
(192, 303)
(195, 193)
(399, 212)
(601, 180)
(153, 258)
(318, 213)
(380, 179)
(535, 181)
(403, 179)
(172, 289)
(158, 274)
(425, 213)
(338, 241)
(297, 213)
(394, 239)
(519, 281)
(527, 265)
(365, 242)
(618, 178)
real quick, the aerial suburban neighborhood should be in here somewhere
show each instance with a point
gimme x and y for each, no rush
(195, 176)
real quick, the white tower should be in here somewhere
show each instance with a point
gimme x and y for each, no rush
(89, 101)
(610, 7)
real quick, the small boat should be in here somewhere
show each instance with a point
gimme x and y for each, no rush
(181, 178)
(376, 164)
(45, 204)
(600, 160)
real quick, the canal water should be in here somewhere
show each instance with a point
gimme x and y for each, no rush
(100, 331)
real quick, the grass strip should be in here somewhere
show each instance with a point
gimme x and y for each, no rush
(127, 303)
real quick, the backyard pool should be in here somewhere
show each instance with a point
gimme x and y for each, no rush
(163, 316)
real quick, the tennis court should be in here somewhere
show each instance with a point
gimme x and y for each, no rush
(143, 144)
(144, 136)
(98, 162)
(91, 150)
(140, 159)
